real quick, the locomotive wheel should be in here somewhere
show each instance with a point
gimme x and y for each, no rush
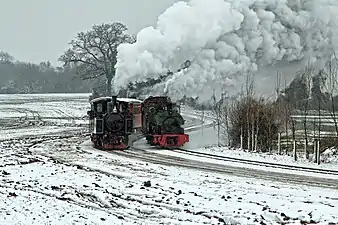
(150, 140)
(98, 144)
(151, 143)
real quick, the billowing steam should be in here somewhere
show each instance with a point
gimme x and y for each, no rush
(226, 41)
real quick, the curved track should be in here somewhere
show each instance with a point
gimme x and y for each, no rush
(238, 171)
(257, 163)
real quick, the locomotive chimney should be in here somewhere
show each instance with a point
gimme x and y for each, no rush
(114, 102)
(170, 108)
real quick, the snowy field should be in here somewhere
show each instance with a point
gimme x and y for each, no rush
(35, 114)
(105, 188)
(62, 180)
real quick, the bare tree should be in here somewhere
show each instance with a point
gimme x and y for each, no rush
(267, 114)
(287, 120)
(202, 117)
(225, 118)
(93, 53)
(293, 128)
(248, 122)
(217, 112)
(257, 121)
(278, 99)
(249, 93)
(307, 77)
(332, 87)
(6, 57)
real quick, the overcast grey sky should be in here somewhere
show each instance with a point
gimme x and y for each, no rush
(39, 30)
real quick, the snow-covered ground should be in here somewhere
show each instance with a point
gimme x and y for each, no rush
(79, 184)
(65, 181)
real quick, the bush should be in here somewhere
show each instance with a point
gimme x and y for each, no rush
(256, 118)
(328, 142)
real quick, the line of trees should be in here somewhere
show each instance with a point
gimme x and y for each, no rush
(22, 77)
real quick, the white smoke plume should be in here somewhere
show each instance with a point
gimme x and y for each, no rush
(226, 40)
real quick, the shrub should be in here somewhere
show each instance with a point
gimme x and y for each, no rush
(328, 142)
(251, 117)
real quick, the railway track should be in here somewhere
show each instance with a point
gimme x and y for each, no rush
(257, 163)
(168, 160)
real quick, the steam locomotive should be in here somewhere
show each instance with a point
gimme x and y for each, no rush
(112, 120)
(162, 123)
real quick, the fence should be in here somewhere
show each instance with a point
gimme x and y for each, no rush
(313, 133)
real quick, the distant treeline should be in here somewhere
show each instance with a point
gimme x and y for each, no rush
(20, 77)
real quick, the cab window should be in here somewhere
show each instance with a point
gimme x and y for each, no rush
(99, 108)
(136, 109)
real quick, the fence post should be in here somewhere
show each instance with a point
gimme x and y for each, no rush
(279, 145)
(294, 150)
(241, 137)
(318, 152)
(253, 140)
(315, 151)
(248, 141)
(305, 150)
(256, 140)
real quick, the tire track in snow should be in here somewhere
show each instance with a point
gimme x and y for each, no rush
(61, 198)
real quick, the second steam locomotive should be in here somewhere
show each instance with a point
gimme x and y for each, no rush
(113, 120)
(162, 123)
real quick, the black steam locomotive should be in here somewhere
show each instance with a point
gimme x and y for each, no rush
(112, 120)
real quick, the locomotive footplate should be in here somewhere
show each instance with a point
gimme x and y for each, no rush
(170, 140)
(121, 146)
